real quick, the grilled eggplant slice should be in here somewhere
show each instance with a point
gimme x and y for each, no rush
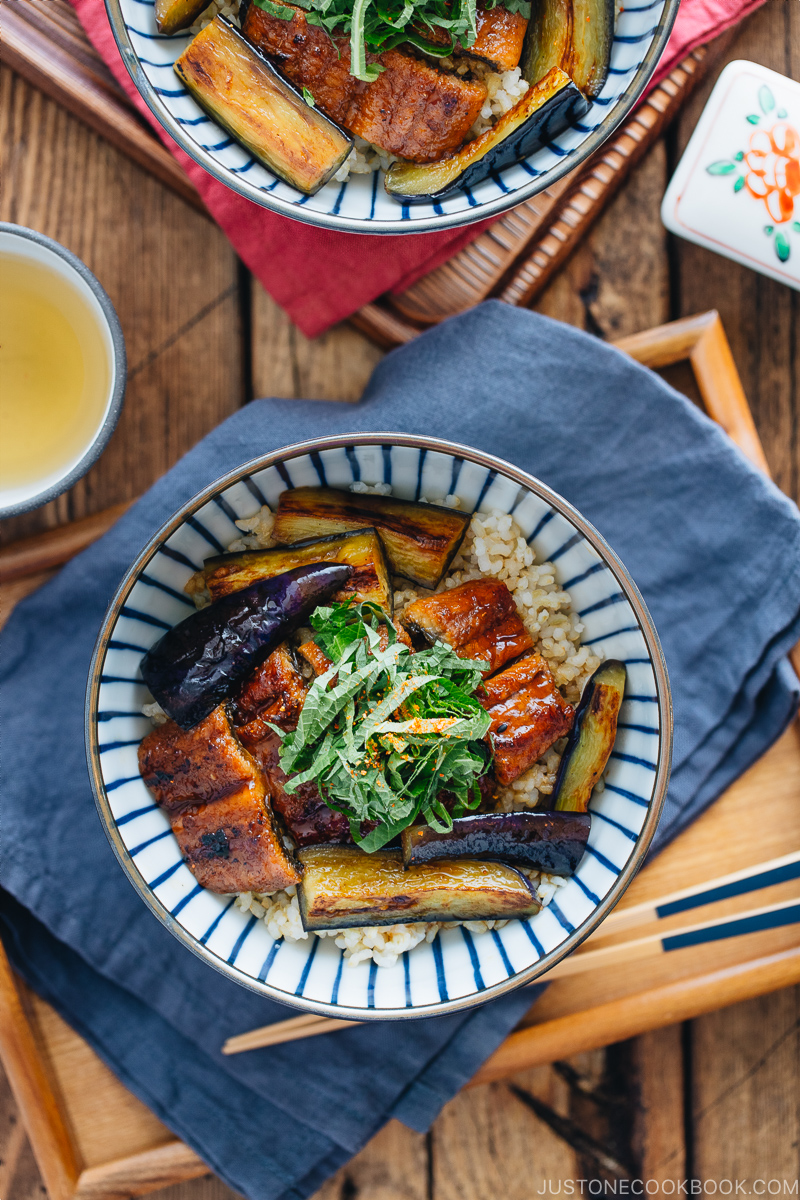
(546, 109)
(174, 15)
(343, 887)
(592, 37)
(420, 540)
(575, 35)
(592, 738)
(201, 661)
(549, 841)
(362, 551)
(244, 93)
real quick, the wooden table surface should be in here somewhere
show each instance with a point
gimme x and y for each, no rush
(714, 1099)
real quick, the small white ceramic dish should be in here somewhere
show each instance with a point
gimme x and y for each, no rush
(29, 247)
(361, 205)
(736, 190)
(459, 969)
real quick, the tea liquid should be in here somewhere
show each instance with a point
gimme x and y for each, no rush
(54, 373)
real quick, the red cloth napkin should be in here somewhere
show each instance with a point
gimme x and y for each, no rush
(319, 276)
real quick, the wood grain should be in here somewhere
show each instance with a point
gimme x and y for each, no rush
(35, 1094)
(44, 42)
(625, 276)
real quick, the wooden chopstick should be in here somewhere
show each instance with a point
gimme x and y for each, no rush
(769, 916)
(737, 883)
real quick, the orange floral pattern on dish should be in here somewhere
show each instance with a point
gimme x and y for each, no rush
(773, 169)
(769, 169)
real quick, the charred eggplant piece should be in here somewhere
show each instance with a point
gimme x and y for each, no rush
(420, 540)
(592, 37)
(575, 35)
(343, 887)
(362, 551)
(174, 15)
(244, 93)
(592, 738)
(546, 109)
(549, 841)
(201, 661)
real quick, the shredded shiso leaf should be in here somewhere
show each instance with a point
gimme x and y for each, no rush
(378, 25)
(383, 732)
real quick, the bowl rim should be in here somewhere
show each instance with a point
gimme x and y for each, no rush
(119, 364)
(480, 212)
(632, 595)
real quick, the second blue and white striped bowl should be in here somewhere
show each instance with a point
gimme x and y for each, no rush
(459, 969)
(362, 205)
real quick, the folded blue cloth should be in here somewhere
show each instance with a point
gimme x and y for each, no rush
(715, 549)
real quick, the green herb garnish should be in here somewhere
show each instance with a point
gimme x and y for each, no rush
(383, 732)
(378, 25)
(308, 96)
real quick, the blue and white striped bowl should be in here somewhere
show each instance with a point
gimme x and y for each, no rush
(361, 205)
(459, 969)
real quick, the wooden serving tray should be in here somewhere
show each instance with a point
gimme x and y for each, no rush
(93, 1140)
(513, 260)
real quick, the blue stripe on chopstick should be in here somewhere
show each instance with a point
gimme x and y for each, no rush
(717, 933)
(738, 887)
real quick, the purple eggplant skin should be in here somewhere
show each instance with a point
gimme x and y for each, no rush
(201, 661)
(548, 841)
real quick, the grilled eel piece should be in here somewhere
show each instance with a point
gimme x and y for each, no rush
(412, 109)
(215, 797)
(499, 38)
(275, 693)
(528, 714)
(479, 619)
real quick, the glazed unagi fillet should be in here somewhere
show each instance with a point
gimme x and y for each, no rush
(479, 619)
(500, 37)
(528, 714)
(412, 109)
(275, 693)
(215, 796)
(498, 41)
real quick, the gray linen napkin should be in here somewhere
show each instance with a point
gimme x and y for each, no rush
(715, 549)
